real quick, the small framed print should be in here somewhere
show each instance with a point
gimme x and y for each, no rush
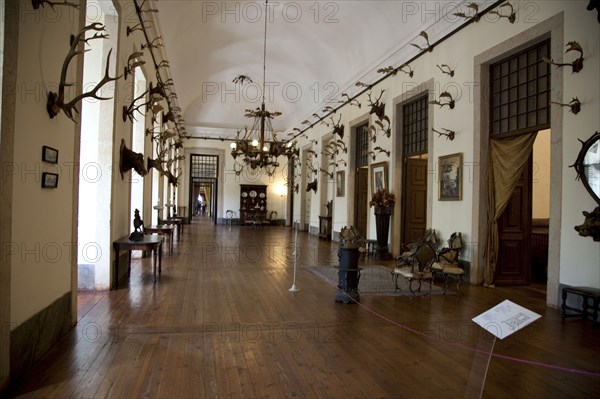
(379, 177)
(49, 154)
(450, 177)
(341, 182)
(49, 180)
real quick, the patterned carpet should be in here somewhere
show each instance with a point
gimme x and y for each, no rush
(374, 280)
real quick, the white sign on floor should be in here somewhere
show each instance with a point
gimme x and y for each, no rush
(505, 319)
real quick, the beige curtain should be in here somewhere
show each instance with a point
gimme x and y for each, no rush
(207, 194)
(508, 158)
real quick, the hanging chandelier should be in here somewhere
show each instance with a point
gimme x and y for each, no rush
(258, 147)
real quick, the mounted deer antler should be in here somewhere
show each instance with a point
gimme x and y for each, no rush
(342, 145)
(475, 17)
(447, 132)
(329, 174)
(576, 65)
(380, 150)
(139, 26)
(446, 69)
(56, 101)
(128, 112)
(410, 72)
(377, 107)
(574, 104)
(132, 63)
(511, 16)
(163, 64)
(37, 3)
(444, 95)
(390, 70)
(338, 127)
(152, 44)
(429, 46)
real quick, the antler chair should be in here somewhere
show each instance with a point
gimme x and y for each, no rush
(418, 267)
(429, 236)
(448, 263)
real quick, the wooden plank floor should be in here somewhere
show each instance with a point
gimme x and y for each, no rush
(221, 322)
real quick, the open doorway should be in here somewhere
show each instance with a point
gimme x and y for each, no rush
(203, 201)
(361, 192)
(540, 207)
(519, 132)
(96, 154)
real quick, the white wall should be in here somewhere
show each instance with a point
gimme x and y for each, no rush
(229, 182)
(42, 219)
(579, 257)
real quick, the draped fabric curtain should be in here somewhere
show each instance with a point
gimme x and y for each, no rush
(207, 196)
(508, 158)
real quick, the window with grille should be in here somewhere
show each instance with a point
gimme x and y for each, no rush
(204, 166)
(362, 145)
(414, 124)
(520, 92)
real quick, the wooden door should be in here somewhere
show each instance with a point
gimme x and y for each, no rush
(414, 201)
(514, 233)
(362, 200)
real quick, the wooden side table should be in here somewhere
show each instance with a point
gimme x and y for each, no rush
(167, 230)
(148, 243)
(178, 222)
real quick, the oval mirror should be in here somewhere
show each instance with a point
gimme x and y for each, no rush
(588, 166)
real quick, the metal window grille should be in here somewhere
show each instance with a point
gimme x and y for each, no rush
(414, 123)
(204, 166)
(520, 92)
(362, 145)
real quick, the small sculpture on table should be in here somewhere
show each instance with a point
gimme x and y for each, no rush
(138, 234)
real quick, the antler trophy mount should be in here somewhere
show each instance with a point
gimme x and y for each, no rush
(56, 101)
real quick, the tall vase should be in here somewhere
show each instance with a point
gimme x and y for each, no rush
(382, 223)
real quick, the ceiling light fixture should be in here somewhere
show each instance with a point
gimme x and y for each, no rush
(251, 146)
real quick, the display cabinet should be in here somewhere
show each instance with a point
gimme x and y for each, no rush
(253, 203)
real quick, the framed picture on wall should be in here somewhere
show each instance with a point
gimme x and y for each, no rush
(341, 184)
(49, 154)
(49, 180)
(450, 177)
(379, 177)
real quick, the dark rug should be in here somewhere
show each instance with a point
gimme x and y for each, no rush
(375, 280)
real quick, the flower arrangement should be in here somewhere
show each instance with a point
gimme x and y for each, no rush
(382, 198)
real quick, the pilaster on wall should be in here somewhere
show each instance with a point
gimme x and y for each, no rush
(7, 131)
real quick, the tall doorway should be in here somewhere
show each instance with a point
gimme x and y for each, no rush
(520, 108)
(415, 158)
(361, 193)
(204, 179)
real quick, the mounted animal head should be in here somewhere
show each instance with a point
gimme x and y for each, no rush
(377, 107)
(314, 185)
(156, 164)
(131, 160)
(338, 127)
(591, 225)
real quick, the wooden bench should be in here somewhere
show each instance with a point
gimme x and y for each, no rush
(587, 294)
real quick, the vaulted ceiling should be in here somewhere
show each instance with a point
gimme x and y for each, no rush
(316, 50)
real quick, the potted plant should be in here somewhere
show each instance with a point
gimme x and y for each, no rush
(383, 202)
